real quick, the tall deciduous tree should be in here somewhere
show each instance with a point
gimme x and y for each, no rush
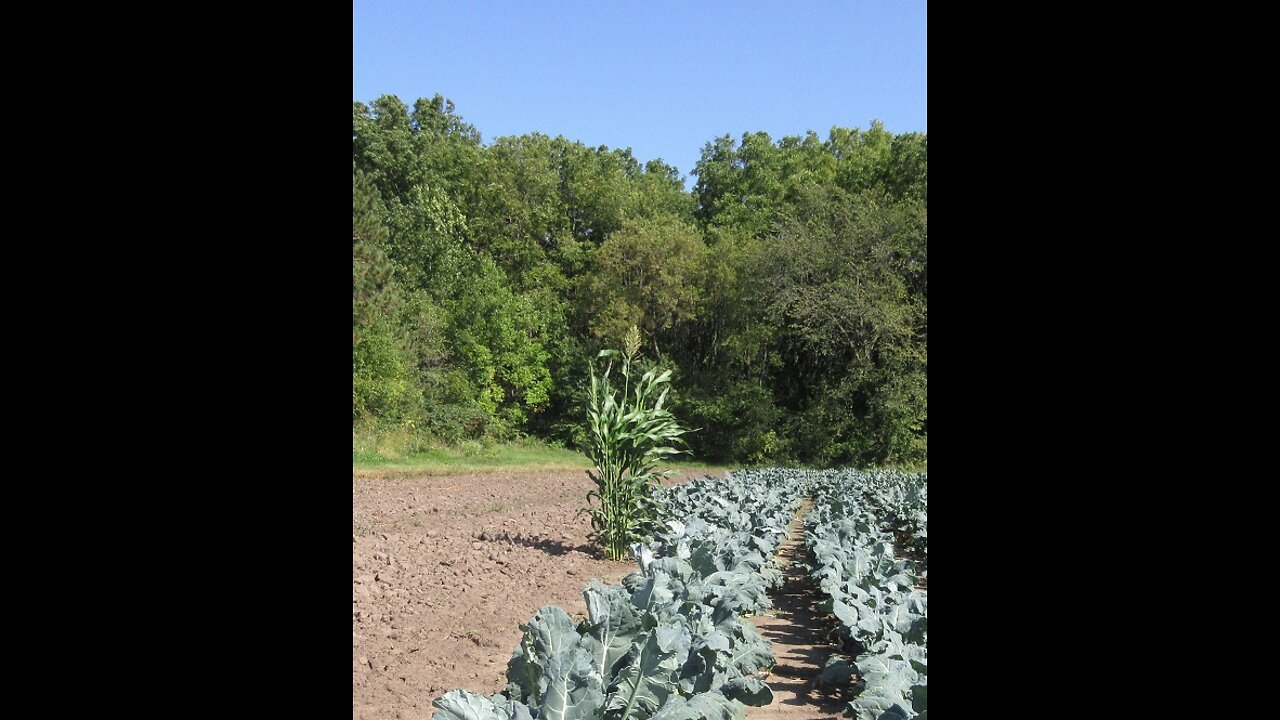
(838, 279)
(647, 274)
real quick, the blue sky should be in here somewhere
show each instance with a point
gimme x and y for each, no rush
(662, 78)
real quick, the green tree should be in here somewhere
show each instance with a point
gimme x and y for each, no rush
(494, 335)
(374, 292)
(646, 274)
(854, 347)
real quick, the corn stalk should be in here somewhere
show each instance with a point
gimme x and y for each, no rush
(629, 433)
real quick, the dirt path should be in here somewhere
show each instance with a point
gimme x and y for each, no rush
(797, 632)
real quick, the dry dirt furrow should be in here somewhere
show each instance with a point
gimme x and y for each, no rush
(797, 631)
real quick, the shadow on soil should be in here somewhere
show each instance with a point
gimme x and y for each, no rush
(805, 632)
(554, 547)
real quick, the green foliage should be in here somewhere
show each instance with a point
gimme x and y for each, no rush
(374, 292)
(841, 287)
(381, 381)
(668, 642)
(738, 422)
(647, 275)
(788, 293)
(494, 335)
(629, 432)
(859, 526)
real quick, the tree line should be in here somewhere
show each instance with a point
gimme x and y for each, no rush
(787, 291)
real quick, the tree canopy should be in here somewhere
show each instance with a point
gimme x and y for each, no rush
(787, 291)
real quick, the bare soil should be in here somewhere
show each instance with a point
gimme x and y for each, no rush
(798, 634)
(444, 570)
